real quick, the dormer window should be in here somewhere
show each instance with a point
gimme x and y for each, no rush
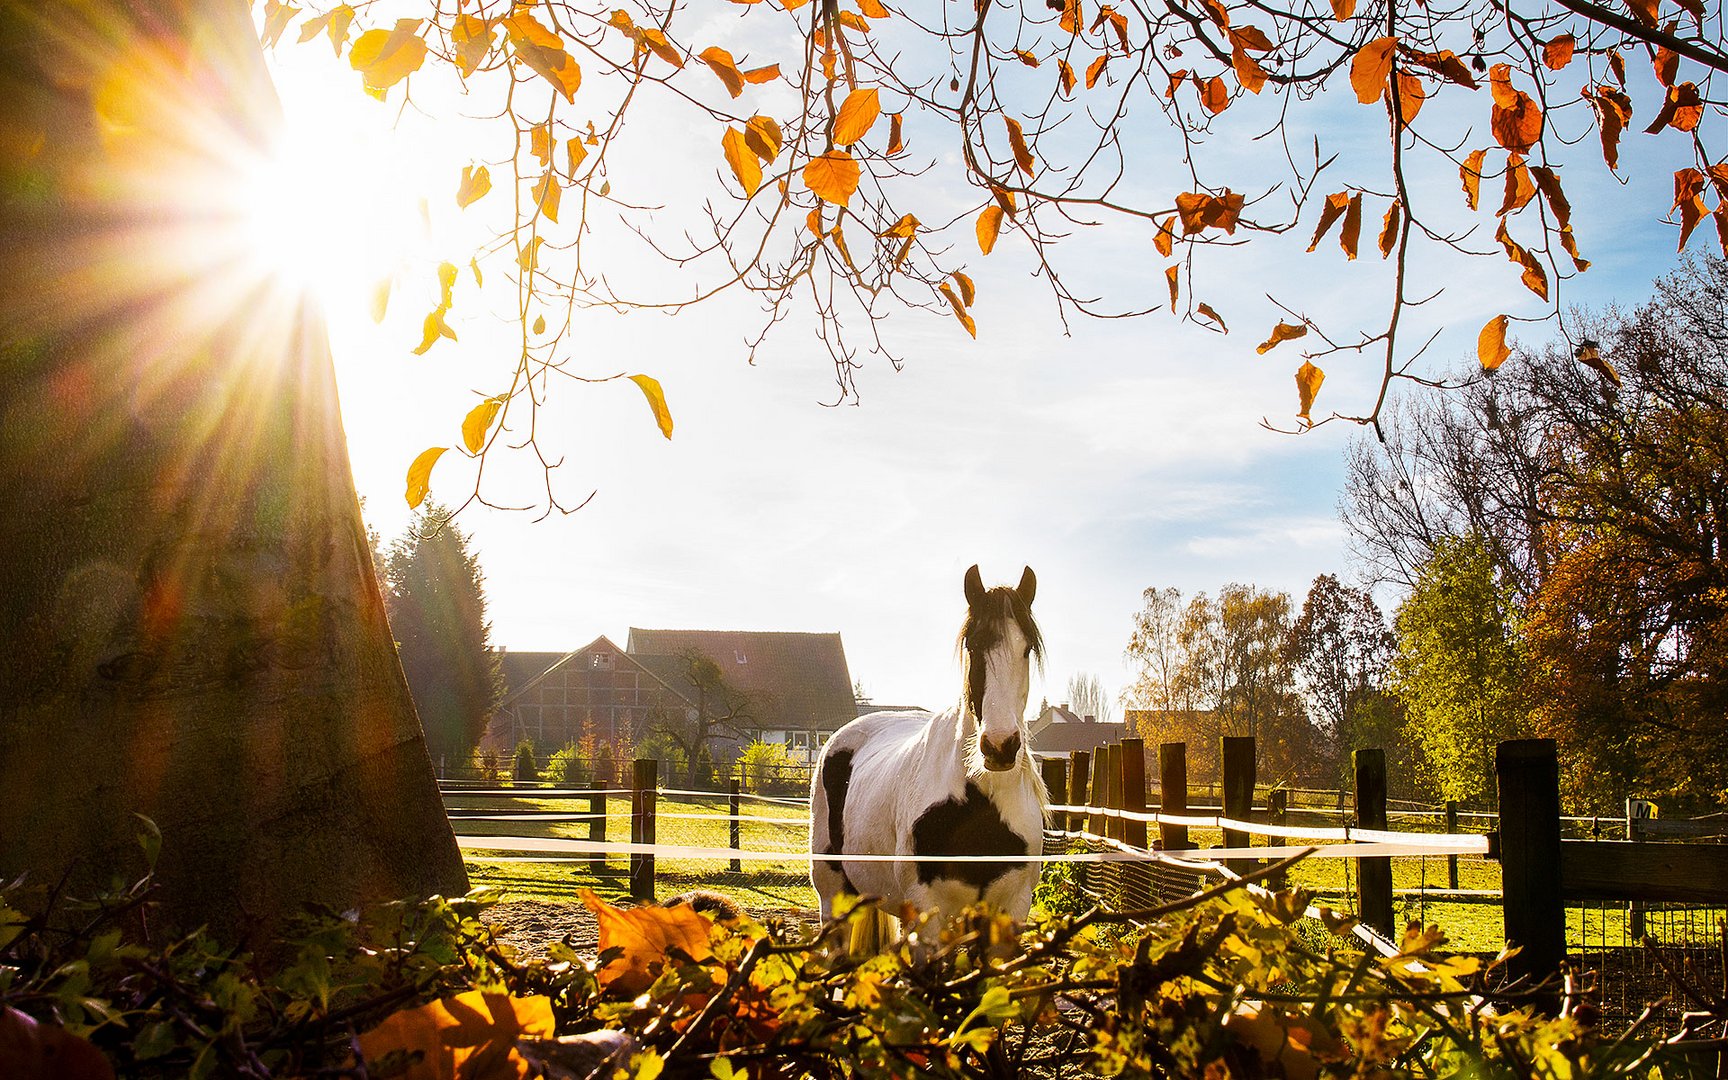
(600, 661)
(739, 653)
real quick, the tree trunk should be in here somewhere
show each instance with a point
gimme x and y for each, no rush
(190, 626)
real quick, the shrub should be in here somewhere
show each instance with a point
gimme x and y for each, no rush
(764, 769)
(567, 768)
(523, 766)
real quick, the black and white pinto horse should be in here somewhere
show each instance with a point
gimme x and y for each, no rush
(961, 782)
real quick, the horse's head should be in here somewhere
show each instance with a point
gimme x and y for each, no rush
(1000, 641)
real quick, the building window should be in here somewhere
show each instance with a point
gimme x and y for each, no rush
(600, 661)
(739, 654)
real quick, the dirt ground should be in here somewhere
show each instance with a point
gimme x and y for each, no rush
(533, 925)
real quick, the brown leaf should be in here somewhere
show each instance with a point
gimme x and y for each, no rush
(1549, 184)
(1171, 275)
(947, 292)
(989, 227)
(857, 115)
(1557, 53)
(1666, 63)
(1389, 229)
(1199, 210)
(1471, 173)
(1165, 240)
(1028, 58)
(1721, 217)
(1445, 64)
(1589, 354)
(1351, 230)
(720, 62)
(833, 177)
(1617, 66)
(1281, 333)
(1681, 108)
(1249, 73)
(1205, 309)
(1176, 78)
(1569, 244)
(1535, 278)
(895, 144)
(1335, 206)
(1017, 140)
(1491, 347)
(1308, 380)
(1215, 96)
(1516, 118)
(1694, 8)
(1613, 112)
(1645, 10)
(742, 159)
(1370, 68)
(1689, 200)
(1520, 189)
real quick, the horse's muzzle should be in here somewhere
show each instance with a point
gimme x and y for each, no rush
(1000, 758)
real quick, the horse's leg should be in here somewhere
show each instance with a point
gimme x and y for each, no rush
(1012, 892)
(948, 896)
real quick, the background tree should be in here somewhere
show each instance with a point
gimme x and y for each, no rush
(1154, 648)
(192, 630)
(1087, 697)
(1340, 648)
(436, 596)
(722, 710)
(1459, 670)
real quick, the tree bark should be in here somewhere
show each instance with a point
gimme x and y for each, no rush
(190, 626)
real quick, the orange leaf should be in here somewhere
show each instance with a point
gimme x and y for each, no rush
(833, 177)
(1617, 66)
(547, 195)
(1206, 309)
(873, 8)
(1520, 188)
(543, 51)
(655, 42)
(1613, 113)
(1017, 140)
(1308, 380)
(1444, 64)
(1666, 63)
(1166, 238)
(959, 309)
(1535, 278)
(895, 145)
(968, 291)
(857, 114)
(1721, 217)
(743, 160)
(1343, 9)
(540, 142)
(762, 136)
(1646, 10)
(1335, 206)
(1351, 230)
(647, 935)
(1215, 96)
(1004, 199)
(1281, 333)
(1681, 108)
(989, 225)
(756, 76)
(1368, 71)
(1389, 230)
(1411, 93)
(1095, 69)
(1251, 38)
(907, 226)
(1516, 119)
(721, 63)
(1491, 347)
(1072, 19)
(1556, 54)
(1689, 200)
(1030, 59)
(1065, 76)
(1249, 73)
(1176, 78)
(471, 1034)
(1471, 173)
(1217, 12)
(1199, 211)
(1171, 274)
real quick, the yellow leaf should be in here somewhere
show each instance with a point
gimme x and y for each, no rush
(276, 19)
(742, 159)
(478, 422)
(380, 299)
(833, 177)
(662, 416)
(968, 292)
(469, 1035)
(857, 114)
(905, 227)
(576, 153)
(471, 38)
(420, 475)
(309, 29)
(720, 62)
(476, 182)
(540, 324)
(762, 136)
(1308, 380)
(853, 20)
(446, 284)
(543, 51)
(959, 309)
(433, 328)
(529, 257)
(474, 265)
(386, 57)
(540, 142)
(1017, 140)
(547, 195)
(1281, 333)
(989, 226)
(1491, 347)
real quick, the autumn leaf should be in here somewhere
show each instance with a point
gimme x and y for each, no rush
(469, 1035)
(1171, 276)
(762, 136)
(575, 153)
(1343, 9)
(471, 40)
(1520, 188)
(1176, 78)
(433, 328)
(1336, 204)
(540, 142)
(655, 41)
(1471, 173)
(720, 62)
(476, 182)
(1004, 199)
(529, 256)
(1535, 278)
(540, 324)
(1689, 200)
(1281, 333)
(767, 73)
(1613, 113)
(1590, 355)
(1682, 109)
(989, 227)
(386, 57)
(953, 299)
(1491, 347)
(547, 195)
(1370, 68)
(1251, 38)
(1308, 380)
(857, 114)
(1072, 18)
(873, 8)
(1214, 95)
(1065, 76)
(895, 144)
(1666, 64)
(1205, 309)
(1351, 230)
(1095, 69)
(1389, 229)
(833, 177)
(1411, 94)
(1199, 210)
(1017, 141)
(380, 300)
(420, 475)
(543, 51)
(1165, 240)
(853, 20)
(1030, 59)
(1617, 66)
(663, 417)
(1249, 73)
(276, 19)
(968, 291)
(1557, 53)
(1516, 119)
(478, 422)
(742, 159)
(1646, 10)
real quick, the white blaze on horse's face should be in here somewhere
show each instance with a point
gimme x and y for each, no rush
(1000, 640)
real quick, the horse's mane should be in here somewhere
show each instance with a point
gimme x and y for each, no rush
(983, 628)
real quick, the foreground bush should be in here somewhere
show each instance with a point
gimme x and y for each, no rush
(1218, 986)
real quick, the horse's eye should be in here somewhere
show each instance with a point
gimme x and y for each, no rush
(1028, 652)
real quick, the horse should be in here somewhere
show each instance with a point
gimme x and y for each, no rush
(961, 782)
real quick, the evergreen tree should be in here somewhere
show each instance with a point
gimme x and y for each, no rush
(436, 597)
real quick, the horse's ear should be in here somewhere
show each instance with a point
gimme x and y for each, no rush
(974, 587)
(1028, 586)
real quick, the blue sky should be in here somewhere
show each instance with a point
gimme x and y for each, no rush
(1125, 456)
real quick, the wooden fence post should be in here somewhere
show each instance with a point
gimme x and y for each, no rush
(1452, 830)
(1113, 789)
(1079, 769)
(643, 792)
(1173, 793)
(597, 820)
(1238, 794)
(1527, 772)
(1373, 876)
(1278, 813)
(734, 830)
(1055, 774)
(1136, 879)
(1099, 791)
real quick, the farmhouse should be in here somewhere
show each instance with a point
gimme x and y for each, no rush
(796, 688)
(1059, 731)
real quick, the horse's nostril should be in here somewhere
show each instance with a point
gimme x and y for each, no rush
(1003, 754)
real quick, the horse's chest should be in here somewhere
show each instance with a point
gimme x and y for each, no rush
(970, 825)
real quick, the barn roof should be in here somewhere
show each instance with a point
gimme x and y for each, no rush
(794, 680)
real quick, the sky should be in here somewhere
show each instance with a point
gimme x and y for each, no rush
(1109, 456)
